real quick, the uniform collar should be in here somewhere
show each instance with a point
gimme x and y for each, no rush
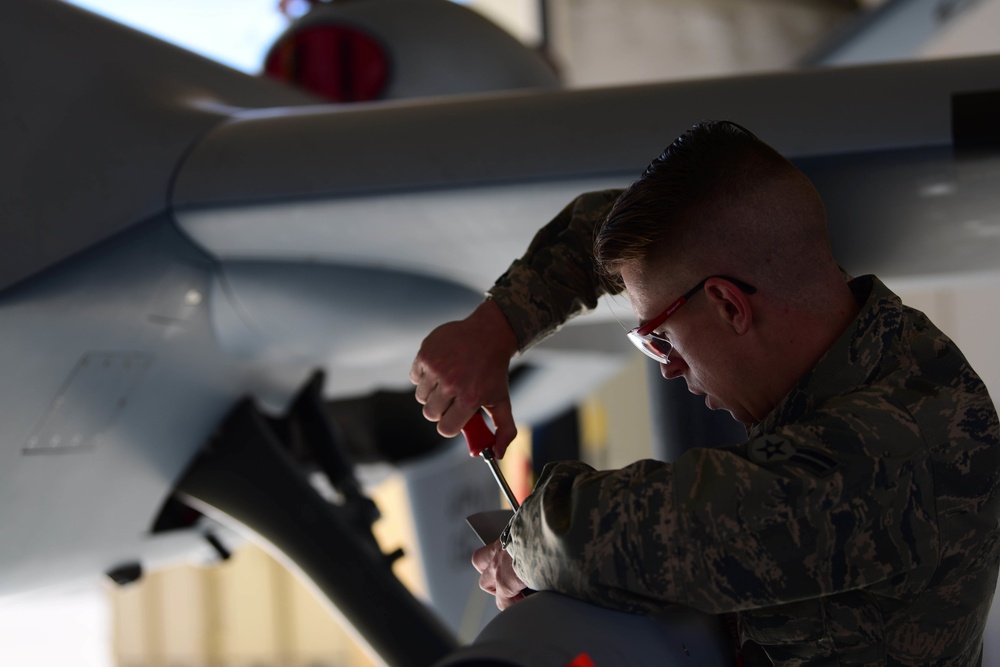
(853, 361)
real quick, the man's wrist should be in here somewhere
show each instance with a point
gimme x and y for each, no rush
(491, 316)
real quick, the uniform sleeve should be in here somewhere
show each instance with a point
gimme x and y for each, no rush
(556, 278)
(829, 504)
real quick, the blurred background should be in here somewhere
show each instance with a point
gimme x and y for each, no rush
(198, 616)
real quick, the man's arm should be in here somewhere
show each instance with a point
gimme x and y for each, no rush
(556, 278)
(462, 366)
(798, 514)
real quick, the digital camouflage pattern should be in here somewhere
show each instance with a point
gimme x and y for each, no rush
(561, 260)
(858, 525)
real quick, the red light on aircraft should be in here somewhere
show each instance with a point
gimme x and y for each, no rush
(338, 62)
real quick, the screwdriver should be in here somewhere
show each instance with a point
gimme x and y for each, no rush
(481, 439)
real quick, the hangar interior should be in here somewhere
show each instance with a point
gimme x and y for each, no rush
(191, 615)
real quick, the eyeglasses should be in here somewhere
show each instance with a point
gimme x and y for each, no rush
(657, 348)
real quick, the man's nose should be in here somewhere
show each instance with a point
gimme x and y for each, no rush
(674, 367)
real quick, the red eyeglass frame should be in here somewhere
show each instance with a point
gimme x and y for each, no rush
(642, 336)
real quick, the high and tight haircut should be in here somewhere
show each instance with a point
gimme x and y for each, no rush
(712, 165)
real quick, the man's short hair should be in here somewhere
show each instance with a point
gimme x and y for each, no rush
(713, 165)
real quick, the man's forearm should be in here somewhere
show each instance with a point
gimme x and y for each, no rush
(556, 278)
(578, 534)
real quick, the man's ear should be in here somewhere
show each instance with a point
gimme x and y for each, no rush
(731, 303)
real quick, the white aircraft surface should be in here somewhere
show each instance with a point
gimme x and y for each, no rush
(208, 279)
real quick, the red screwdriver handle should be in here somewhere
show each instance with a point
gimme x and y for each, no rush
(478, 434)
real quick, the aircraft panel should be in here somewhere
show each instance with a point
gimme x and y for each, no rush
(519, 137)
(95, 119)
(92, 450)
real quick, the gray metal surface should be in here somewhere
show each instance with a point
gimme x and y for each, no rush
(92, 450)
(363, 323)
(124, 344)
(94, 118)
(504, 138)
(549, 630)
(479, 178)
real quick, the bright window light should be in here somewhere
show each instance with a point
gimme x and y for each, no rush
(236, 33)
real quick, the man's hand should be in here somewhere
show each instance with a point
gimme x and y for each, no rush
(497, 576)
(462, 366)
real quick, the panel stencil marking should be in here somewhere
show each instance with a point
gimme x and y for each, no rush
(88, 403)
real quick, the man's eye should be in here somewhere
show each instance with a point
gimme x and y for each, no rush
(661, 345)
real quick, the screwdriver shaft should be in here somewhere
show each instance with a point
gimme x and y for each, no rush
(487, 455)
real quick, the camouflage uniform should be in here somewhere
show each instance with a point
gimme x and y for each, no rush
(858, 525)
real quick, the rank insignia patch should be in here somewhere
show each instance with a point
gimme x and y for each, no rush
(774, 449)
(770, 449)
